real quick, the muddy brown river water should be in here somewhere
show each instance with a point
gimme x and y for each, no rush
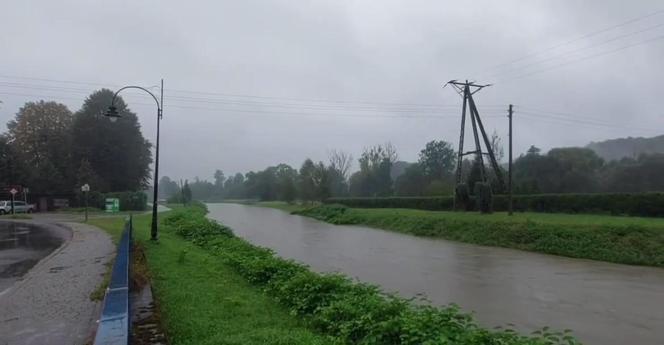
(603, 303)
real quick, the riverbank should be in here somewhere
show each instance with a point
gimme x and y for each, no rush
(202, 301)
(626, 240)
(336, 306)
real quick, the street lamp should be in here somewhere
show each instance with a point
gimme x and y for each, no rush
(113, 115)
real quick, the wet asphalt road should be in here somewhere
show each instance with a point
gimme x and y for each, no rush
(603, 303)
(48, 302)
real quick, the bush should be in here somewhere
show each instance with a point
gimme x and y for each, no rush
(349, 312)
(462, 201)
(484, 197)
(630, 204)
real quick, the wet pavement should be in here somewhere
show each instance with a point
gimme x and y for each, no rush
(22, 245)
(50, 304)
(603, 303)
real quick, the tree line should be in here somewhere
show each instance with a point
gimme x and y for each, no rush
(381, 174)
(52, 150)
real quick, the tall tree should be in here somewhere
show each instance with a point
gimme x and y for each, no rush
(167, 187)
(286, 179)
(307, 181)
(117, 151)
(12, 170)
(338, 172)
(40, 137)
(437, 159)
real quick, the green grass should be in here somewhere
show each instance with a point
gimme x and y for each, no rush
(628, 240)
(203, 301)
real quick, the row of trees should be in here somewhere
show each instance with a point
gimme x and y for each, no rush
(380, 173)
(52, 150)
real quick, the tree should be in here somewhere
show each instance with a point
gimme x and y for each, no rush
(412, 182)
(437, 160)
(168, 187)
(338, 171)
(286, 179)
(12, 171)
(219, 180)
(374, 178)
(321, 181)
(39, 135)
(307, 181)
(186, 193)
(117, 152)
(497, 147)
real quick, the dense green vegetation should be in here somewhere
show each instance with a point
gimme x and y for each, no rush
(203, 301)
(633, 204)
(637, 241)
(348, 312)
(51, 150)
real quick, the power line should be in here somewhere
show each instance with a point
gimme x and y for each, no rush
(588, 57)
(568, 121)
(260, 111)
(568, 53)
(231, 95)
(582, 37)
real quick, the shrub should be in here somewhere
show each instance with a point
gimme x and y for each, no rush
(484, 197)
(349, 312)
(630, 204)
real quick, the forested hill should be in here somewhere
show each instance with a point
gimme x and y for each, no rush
(616, 149)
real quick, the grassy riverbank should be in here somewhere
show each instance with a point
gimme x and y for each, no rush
(628, 240)
(203, 301)
(345, 311)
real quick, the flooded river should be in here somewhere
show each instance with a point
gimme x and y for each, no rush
(22, 245)
(604, 304)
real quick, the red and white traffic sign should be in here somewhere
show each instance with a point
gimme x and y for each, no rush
(13, 191)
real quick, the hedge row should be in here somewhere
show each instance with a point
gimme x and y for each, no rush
(348, 312)
(631, 204)
(129, 201)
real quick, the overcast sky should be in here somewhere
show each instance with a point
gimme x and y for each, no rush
(256, 83)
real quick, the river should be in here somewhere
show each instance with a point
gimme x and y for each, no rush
(603, 303)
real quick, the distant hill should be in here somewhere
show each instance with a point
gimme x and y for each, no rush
(616, 149)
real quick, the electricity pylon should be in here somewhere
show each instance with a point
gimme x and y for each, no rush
(467, 90)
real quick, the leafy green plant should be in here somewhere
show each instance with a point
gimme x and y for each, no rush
(347, 311)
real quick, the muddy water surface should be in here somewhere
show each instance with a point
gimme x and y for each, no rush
(605, 304)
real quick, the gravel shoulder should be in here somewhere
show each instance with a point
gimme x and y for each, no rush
(51, 303)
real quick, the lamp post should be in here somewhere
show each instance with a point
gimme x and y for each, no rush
(113, 114)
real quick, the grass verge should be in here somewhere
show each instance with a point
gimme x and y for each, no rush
(627, 240)
(202, 301)
(332, 304)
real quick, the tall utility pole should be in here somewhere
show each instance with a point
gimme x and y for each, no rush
(509, 179)
(467, 90)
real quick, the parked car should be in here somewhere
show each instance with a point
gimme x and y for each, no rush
(19, 207)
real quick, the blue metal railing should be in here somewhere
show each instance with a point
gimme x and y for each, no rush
(114, 324)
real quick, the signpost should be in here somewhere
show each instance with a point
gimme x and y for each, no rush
(85, 189)
(112, 205)
(13, 192)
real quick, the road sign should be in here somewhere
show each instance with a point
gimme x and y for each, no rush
(112, 205)
(85, 188)
(13, 191)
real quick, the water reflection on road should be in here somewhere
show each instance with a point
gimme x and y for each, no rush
(603, 303)
(22, 245)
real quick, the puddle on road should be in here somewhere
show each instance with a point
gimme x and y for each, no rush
(21, 247)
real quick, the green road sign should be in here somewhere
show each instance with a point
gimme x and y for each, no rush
(112, 205)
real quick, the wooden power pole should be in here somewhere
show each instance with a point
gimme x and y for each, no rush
(509, 178)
